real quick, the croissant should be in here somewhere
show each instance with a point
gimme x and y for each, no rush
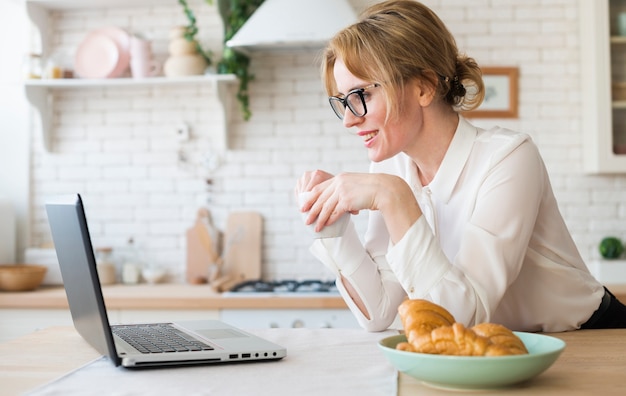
(430, 328)
(452, 340)
(502, 337)
(421, 316)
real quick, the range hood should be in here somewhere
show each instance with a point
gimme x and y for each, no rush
(292, 24)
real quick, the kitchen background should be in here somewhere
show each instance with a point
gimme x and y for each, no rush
(118, 146)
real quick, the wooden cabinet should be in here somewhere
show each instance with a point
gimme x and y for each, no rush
(603, 83)
(40, 92)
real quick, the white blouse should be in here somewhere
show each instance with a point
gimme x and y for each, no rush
(491, 245)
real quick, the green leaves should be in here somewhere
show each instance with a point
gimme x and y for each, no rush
(192, 29)
(234, 15)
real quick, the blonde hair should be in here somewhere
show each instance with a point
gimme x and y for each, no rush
(395, 42)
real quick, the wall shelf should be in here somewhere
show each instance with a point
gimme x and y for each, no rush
(40, 92)
(61, 83)
(40, 95)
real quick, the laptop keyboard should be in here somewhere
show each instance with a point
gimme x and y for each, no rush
(158, 338)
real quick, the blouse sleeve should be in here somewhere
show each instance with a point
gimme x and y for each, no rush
(370, 276)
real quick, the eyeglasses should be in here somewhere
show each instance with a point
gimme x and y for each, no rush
(354, 100)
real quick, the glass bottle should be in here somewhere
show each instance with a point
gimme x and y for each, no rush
(32, 66)
(131, 268)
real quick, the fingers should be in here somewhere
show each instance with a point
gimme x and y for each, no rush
(311, 179)
(307, 183)
(322, 200)
(316, 178)
(317, 205)
(326, 208)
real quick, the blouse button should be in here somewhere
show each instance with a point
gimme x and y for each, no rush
(412, 290)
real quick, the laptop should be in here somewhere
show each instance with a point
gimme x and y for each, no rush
(138, 345)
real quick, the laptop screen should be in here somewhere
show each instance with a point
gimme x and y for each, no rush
(72, 242)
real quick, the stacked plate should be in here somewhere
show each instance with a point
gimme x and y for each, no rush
(104, 53)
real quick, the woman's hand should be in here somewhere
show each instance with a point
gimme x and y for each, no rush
(310, 179)
(330, 197)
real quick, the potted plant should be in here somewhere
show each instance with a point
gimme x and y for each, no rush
(234, 14)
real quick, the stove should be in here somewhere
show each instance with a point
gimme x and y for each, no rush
(262, 318)
(284, 287)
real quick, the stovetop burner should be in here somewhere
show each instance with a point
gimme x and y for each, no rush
(285, 287)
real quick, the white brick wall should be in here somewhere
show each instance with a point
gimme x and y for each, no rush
(118, 148)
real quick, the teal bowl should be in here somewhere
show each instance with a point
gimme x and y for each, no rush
(475, 372)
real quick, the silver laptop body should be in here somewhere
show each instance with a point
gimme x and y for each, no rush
(223, 343)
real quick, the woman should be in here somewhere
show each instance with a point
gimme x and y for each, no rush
(461, 216)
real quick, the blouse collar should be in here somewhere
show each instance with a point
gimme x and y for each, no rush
(452, 165)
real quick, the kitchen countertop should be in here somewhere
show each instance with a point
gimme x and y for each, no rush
(185, 296)
(593, 362)
(170, 296)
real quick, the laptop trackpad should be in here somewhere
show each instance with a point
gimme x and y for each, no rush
(216, 334)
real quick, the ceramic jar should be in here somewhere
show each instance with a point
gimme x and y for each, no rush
(105, 265)
(184, 59)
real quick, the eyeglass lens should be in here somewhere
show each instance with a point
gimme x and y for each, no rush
(354, 101)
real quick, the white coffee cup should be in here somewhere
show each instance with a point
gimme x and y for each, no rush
(329, 231)
(144, 68)
(142, 63)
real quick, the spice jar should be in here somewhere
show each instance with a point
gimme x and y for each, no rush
(53, 69)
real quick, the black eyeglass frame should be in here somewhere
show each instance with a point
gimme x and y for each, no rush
(346, 104)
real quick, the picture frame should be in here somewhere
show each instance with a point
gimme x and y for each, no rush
(501, 94)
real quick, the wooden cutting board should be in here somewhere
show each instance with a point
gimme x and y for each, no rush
(242, 248)
(202, 254)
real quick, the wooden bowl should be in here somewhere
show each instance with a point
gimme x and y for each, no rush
(21, 277)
